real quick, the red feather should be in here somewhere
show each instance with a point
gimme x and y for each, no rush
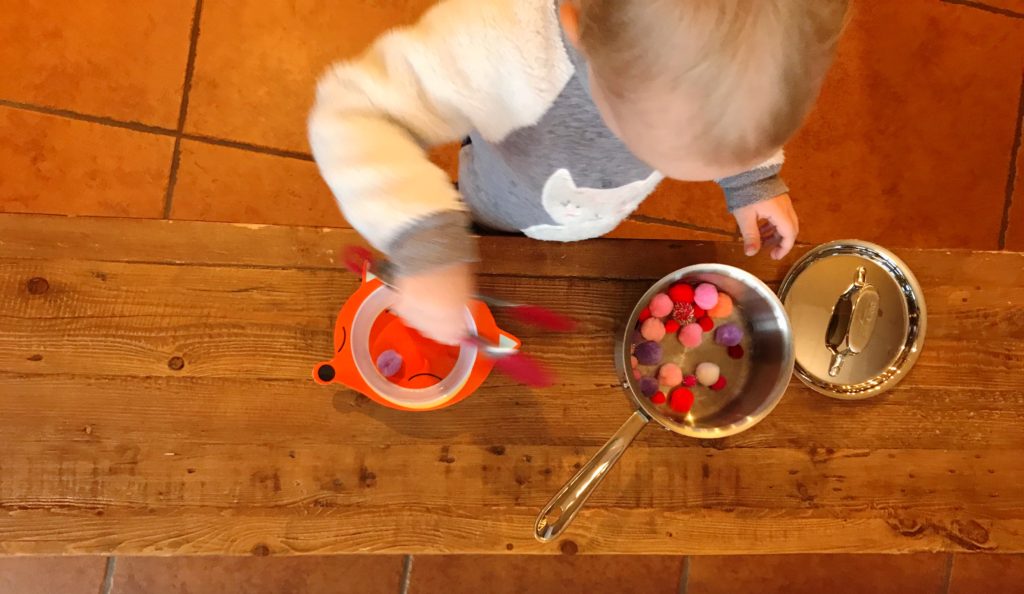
(356, 257)
(543, 318)
(525, 370)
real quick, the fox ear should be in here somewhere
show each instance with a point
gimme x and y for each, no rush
(508, 341)
(357, 260)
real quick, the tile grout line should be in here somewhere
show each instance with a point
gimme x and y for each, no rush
(245, 146)
(947, 583)
(172, 178)
(403, 586)
(108, 576)
(1011, 179)
(684, 577)
(93, 119)
(986, 8)
(190, 66)
(158, 130)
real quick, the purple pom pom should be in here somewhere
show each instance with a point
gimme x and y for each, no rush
(634, 339)
(648, 386)
(648, 353)
(728, 335)
(389, 363)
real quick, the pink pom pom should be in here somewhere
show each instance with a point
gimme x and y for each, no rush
(670, 375)
(705, 296)
(652, 329)
(691, 335)
(661, 305)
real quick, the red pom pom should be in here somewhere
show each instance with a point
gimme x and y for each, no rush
(671, 326)
(658, 398)
(683, 313)
(644, 314)
(706, 324)
(735, 352)
(681, 400)
(719, 385)
(698, 312)
(681, 293)
(689, 381)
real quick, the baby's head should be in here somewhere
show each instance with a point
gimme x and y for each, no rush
(704, 89)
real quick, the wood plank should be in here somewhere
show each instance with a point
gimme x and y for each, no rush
(104, 447)
(110, 473)
(228, 320)
(174, 242)
(431, 530)
(54, 408)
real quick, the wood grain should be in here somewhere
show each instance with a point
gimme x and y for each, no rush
(155, 399)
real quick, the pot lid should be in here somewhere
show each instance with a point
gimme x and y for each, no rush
(858, 318)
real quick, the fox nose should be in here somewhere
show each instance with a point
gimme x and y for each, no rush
(325, 372)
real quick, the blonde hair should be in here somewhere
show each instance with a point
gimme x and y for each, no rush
(754, 66)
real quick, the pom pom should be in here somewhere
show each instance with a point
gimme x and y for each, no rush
(681, 293)
(648, 353)
(723, 308)
(652, 329)
(708, 373)
(681, 400)
(648, 386)
(670, 375)
(389, 363)
(728, 335)
(660, 306)
(705, 295)
(691, 335)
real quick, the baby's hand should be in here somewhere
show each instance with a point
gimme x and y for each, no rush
(772, 221)
(434, 302)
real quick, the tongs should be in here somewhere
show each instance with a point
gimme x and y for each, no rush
(509, 360)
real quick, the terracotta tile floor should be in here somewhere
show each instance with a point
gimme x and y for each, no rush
(197, 111)
(912, 144)
(517, 574)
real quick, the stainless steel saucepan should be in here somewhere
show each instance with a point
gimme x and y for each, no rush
(757, 383)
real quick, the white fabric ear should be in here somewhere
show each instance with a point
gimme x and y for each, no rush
(585, 213)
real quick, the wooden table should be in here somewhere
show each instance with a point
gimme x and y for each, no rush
(155, 398)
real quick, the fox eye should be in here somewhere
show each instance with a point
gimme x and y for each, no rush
(344, 339)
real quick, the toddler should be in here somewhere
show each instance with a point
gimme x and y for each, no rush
(572, 112)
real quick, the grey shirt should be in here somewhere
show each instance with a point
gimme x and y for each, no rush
(503, 183)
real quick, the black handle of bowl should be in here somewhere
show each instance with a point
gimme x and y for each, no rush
(563, 507)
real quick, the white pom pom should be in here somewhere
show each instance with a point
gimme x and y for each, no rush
(707, 373)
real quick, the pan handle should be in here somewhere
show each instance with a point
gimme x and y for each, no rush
(563, 507)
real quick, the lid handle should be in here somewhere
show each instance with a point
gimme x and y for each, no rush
(852, 322)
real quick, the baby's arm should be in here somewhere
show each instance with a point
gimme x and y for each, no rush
(468, 64)
(760, 202)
